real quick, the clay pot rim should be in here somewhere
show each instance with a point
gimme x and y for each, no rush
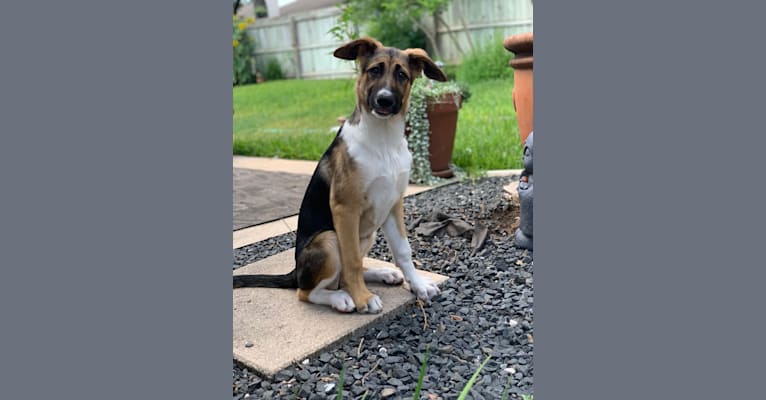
(519, 43)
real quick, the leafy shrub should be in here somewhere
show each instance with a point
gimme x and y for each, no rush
(243, 51)
(273, 70)
(489, 61)
(397, 32)
(396, 23)
(450, 71)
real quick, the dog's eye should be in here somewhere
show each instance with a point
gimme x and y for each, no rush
(374, 71)
(401, 75)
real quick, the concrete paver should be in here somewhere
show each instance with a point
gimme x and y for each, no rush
(281, 330)
(275, 164)
(244, 237)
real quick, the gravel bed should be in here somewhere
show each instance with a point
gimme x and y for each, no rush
(484, 309)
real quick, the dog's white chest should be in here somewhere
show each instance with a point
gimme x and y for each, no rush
(384, 166)
(385, 186)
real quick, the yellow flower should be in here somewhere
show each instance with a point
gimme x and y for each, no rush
(250, 20)
(242, 26)
(235, 42)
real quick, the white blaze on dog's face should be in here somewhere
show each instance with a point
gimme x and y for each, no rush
(386, 75)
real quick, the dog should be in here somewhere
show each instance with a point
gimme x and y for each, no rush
(358, 187)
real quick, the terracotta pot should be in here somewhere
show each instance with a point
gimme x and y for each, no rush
(523, 81)
(442, 116)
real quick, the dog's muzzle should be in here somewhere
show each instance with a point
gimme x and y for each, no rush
(384, 103)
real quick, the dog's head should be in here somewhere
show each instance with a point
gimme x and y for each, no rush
(386, 74)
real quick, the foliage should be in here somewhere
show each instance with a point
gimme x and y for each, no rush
(469, 385)
(273, 70)
(243, 51)
(489, 61)
(423, 91)
(422, 374)
(260, 11)
(396, 23)
(399, 32)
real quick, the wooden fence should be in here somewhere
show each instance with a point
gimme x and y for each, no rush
(303, 46)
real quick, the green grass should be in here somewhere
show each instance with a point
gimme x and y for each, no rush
(289, 119)
(292, 119)
(487, 136)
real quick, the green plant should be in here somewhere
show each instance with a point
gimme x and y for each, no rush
(489, 61)
(273, 70)
(260, 11)
(416, 395)
(243, 47)
(399, 21)
(471, 381)
(340, 382)
(397, 32)
(422, 375)
(423, 91)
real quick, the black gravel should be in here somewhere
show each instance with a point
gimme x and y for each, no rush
(485, 309)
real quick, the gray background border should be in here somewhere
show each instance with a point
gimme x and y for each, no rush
(648, 200)
(115, 163)
(116, 206)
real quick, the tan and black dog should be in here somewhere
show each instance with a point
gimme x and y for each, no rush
(358, 187)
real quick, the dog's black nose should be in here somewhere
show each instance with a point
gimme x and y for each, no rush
(385, 99)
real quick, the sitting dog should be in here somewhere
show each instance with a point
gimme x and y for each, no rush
(358, 187)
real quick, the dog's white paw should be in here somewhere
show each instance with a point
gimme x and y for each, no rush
(374, 305)
(424, 288)
(389, 276)
(342, 301)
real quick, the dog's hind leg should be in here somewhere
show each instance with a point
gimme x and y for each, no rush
(319, 274)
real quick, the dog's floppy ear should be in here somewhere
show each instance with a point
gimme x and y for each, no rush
(420, 61)
(357, 48)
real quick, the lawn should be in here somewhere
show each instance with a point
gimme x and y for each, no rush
(292, 119)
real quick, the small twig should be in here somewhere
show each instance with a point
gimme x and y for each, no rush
(370, 371)
(425, 316)
(359, 349)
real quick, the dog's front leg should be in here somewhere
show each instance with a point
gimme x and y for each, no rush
(346, 221)
(396, 235)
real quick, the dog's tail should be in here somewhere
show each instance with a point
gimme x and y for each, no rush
(287, 281)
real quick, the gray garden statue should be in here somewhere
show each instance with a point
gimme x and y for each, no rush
(524, 233)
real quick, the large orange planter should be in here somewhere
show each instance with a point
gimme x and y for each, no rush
(523, 81)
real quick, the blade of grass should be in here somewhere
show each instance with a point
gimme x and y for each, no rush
(507, 387)
(422, 375)
(469, 385)
(364, 396)
(340, 382)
